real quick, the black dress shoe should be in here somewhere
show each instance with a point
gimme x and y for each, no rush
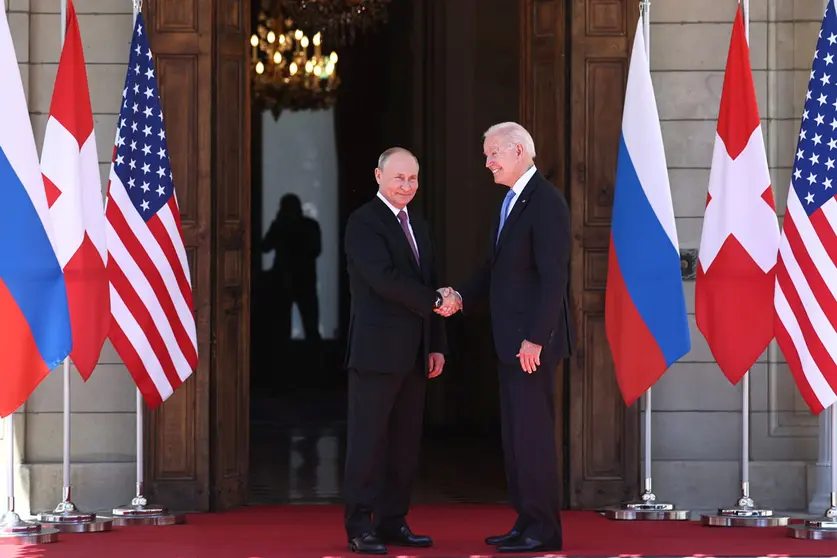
(511, 536)
(404, 537)
(367, 543)
(527, 544)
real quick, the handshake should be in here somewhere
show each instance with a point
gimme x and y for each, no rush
(451, 302)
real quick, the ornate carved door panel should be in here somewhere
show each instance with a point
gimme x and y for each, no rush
(202, 64)
(603, 433)
(543, 111)
(177, 441)
(231, 285)
(575, 63)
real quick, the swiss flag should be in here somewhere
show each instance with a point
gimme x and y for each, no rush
(70, 167)
(740, 239)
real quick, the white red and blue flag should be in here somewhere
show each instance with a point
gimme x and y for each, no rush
(35, 334)
(645, 306)
(806, 272)
(739, 242)
(153, 324)
(70, 165)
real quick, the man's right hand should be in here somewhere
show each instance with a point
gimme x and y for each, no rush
(451, 302)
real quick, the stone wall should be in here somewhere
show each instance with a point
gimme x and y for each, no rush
(697, 414)
(103, 427)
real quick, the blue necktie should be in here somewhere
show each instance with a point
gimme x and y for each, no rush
(504, 212)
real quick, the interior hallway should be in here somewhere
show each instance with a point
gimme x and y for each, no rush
(297, 452)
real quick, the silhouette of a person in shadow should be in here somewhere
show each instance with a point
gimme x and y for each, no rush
(296, 241)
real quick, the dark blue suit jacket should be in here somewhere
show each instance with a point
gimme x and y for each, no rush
(526, 275)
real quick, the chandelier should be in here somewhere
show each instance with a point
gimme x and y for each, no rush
(290, 70)
(339, 20)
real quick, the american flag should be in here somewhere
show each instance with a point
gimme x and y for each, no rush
(153, 325)
(806, 276)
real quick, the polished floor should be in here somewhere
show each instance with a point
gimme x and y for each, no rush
(297, 451)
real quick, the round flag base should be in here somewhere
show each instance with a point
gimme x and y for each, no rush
(139, 515)
(16, 531)
(644, 511)
(70, 524)
(744, 517)
(816, 529)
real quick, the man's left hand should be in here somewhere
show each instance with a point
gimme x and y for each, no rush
(530, 356)
(435, 364)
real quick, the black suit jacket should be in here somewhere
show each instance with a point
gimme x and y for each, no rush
(392, 321)
(526, 275)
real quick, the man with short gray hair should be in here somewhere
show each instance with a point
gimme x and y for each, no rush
(525, 278)
(396, 343)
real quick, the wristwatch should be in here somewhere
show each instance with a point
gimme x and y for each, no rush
(439, 300)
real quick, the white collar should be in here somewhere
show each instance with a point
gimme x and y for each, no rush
(524, 180)
(391, 207)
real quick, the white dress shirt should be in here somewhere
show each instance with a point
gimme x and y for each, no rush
(395, 212)
(520, 185)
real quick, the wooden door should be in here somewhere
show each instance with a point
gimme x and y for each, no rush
(603, 433)
(543, 111)
(177, 441)
(574, 69)
(201, 57)
(231, 285)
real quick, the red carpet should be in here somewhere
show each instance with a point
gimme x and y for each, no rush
(458, 530)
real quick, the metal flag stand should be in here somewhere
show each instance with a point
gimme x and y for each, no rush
(744, 513)
(139, 511)
(12, 527)
(66, 517)
(825, 527)
(647, 508)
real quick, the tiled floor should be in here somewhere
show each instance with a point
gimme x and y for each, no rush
(297, 451)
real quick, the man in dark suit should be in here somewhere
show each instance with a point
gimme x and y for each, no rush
(525, 278)
(396, 343)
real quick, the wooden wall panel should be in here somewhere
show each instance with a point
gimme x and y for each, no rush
(603, 433)
(231, 286)
(543, 111)
(177, 443)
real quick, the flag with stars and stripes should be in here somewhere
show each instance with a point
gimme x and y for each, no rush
(152, 320)
(805, 299)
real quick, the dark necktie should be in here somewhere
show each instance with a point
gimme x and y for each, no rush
(402, 218)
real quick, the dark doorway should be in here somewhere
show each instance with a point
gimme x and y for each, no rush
(298, 388)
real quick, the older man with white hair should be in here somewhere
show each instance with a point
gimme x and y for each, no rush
(525, 278)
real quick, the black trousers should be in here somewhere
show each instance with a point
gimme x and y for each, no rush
(382, 451)
(528, 429)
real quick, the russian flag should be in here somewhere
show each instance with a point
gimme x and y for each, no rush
(35, 334)
(645, 308)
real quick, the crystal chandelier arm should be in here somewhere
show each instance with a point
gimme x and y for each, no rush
(290, 70)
